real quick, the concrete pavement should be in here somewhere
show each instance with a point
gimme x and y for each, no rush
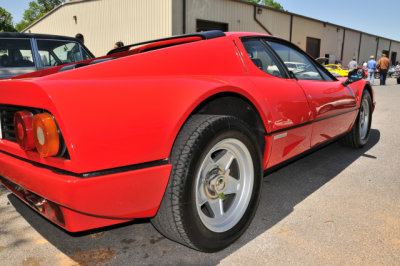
(335, 206)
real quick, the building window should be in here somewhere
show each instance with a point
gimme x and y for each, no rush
(205, 25)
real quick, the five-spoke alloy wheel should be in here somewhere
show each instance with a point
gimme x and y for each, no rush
(215, 183)
(359, 134)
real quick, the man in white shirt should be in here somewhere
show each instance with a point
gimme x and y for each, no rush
(353, 64)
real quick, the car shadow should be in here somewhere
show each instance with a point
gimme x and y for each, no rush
(139, 243)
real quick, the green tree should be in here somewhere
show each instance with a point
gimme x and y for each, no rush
(36, 10)
(5, 21)
(268, 3)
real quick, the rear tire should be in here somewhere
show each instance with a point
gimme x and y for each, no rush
(359, 134)
(215, 183)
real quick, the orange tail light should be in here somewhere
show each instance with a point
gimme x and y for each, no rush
(46, 135)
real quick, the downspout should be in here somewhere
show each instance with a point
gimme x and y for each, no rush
(184, 16)
(259, 22)
(291, 27)
(359, 48)
(344, 36)
(377, 45)
(390, 48)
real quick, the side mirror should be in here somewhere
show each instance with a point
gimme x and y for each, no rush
(354, 75)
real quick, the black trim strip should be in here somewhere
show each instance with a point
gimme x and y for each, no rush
(302, 155)
(309, 122)
(148, 164)
(205, 35)
(126, 168)
(94, 173)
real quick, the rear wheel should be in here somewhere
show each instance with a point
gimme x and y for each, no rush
(360, 132)
(214, 185)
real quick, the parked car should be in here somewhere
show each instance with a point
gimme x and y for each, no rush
(341, 70)
(388, 74)
(179, 130)
(391, 71)
(22, 53)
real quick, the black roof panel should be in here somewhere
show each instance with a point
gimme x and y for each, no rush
(35, 35)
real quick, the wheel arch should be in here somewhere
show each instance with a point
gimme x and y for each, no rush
(368, 87)
(237, 105)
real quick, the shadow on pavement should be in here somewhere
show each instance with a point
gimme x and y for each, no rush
(139, 243)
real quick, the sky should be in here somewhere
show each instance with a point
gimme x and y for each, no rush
(376, 17)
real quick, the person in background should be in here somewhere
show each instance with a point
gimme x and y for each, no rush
(118, 44)
(371, 65)
(79, 36)
(75, 54)
(364, 65)
(397, 66)
(383, 65)
(353, 64)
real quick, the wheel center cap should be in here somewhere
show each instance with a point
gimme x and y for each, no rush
(215, 182)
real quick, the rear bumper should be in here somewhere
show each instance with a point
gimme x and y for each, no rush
(88, 203)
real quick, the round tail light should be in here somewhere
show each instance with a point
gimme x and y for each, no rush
(23, 130)
(45, 134)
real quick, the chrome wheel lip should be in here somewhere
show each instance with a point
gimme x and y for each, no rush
(244, 186)
(364, 119)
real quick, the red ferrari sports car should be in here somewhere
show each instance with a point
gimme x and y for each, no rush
(179, 130)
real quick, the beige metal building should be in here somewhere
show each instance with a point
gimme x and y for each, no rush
(104, 22)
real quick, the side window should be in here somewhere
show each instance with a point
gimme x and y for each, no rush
(58, 52)
(296, 62)
(45, 58)
(262, 58)
(85, 54)
(16, 53)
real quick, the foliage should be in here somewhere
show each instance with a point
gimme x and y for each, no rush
(268, 3)
(36, 10)
(5, 21)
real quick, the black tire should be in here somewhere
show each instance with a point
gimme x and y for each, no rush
(377, 75)
(179, 216)
(357, 138)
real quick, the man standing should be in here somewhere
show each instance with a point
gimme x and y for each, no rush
(383, 65)
(353, 64)
(80, 38)
(371, 65)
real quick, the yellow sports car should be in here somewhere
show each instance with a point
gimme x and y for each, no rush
(341, 70)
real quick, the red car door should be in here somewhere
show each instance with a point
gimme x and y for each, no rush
(333, 105)
(333, 108)
(288, 112)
